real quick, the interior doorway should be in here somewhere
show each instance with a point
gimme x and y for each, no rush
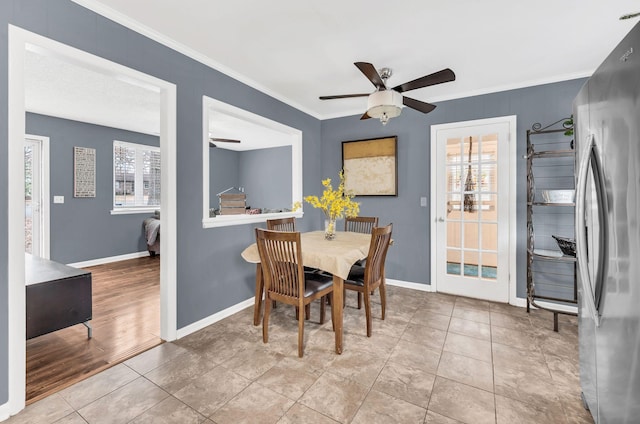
(20, 42)
(471, 199)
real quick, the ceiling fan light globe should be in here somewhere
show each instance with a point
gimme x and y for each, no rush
(384, 105)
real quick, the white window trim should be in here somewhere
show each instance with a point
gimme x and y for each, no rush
(208, 105)
(125, 210)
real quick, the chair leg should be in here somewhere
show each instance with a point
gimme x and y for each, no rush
(265, 321)
(367, 309)
(359, 300)
(322, 310)
(300, 333)
(307, 311)
(383, 297)
(333, 321)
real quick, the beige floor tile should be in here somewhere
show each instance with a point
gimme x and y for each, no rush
(415, 355)
(434, 418)
(125, 403)
(299, 414)
(470, 328)
(169, 411)
(407, 383)
(564, 371)
(516, 338)
(380, 408)
(377, 345)
(435, 306)
(179, 372)
(510, 411)
(472, 315)
(86, 391)
(529, 362)
(463, 369)
(468, 346)
(431, 319)
(511, 321)
(206, 394)
(155, 357)
(426, 336)
(254, 405)
(357, 366)
(74, 418)
(478, 406)
(47, 410)
(466, 302)
(252, 363)
(574, 409)
(288, 379)
(337, 397)
(525, 387)
(505, 308)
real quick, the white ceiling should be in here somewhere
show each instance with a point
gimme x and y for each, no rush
(296, 50)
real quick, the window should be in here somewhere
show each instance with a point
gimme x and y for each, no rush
(136, 176)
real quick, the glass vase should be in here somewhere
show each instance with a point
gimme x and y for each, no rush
(330, 228)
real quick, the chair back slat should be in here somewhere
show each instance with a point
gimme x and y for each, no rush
(279, 253)
(360, 224)
(282, 224)
(380, 239)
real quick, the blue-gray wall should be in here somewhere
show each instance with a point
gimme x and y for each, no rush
(83, 228)
(266, 176)
(211, 275)
(411, 223)
(224, 172)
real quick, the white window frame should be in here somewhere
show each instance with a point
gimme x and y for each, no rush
(138, 182)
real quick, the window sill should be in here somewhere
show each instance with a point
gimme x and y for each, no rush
(229, 220)
(128, 211)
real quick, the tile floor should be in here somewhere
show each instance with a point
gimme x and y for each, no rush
(435, 359)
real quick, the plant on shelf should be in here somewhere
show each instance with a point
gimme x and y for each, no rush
(335, 204)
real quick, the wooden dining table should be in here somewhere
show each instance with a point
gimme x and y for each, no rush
(335, 257)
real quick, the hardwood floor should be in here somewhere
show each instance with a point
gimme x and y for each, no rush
(126, 321)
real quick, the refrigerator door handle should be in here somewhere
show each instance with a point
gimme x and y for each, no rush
(581, 253)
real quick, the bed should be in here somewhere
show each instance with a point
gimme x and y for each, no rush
(57, 296)
(151, 228)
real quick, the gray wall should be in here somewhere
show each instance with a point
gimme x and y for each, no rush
(211, 275)
(411, 223)
(224, 172)
(83, 228)
(264, 173)
(266, 176)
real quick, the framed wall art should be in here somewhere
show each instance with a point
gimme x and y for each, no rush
(371, 166)
(84, 172)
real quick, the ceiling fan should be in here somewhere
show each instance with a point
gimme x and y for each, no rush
(221, 140)
(386, 103)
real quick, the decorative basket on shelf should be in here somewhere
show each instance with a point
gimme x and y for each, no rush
(566, 245)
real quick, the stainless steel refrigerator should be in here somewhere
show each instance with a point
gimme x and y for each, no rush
(607, 136)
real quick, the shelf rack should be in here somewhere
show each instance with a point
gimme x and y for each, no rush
(551, 147)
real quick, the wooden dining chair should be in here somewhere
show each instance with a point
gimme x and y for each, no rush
(364, 225)
(282, 224)
(360, 224)
(285, 280)
(367, 279)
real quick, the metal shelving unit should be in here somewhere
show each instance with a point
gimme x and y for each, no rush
(551, 275)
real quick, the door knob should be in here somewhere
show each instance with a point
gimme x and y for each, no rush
(441, 219)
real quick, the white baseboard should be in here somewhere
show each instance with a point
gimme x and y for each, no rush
(211, 319)
(522, 302)
(409, 285)
(5, 411)
(102, 261)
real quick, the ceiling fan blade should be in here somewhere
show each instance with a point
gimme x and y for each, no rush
(418, 105)
(370, 72)
(365, 116)
(342, 96)
(224, 140)
(439, 77)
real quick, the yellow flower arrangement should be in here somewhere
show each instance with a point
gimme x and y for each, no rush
(335, 204)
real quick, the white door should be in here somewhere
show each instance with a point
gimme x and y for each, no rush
(470, 206)
(36, 195)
